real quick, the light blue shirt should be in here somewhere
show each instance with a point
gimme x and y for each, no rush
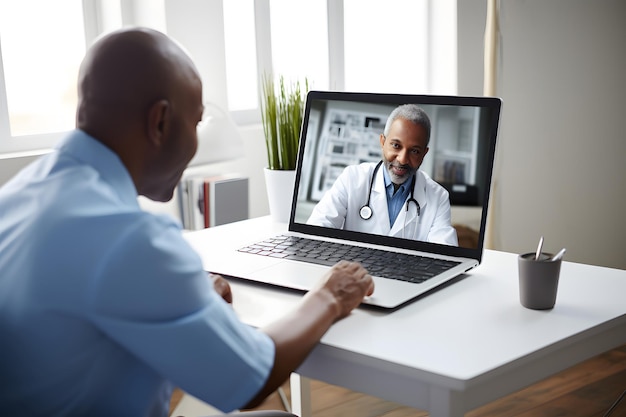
(395, 201)
(104, 307)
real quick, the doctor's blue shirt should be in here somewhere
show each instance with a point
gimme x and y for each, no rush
(104, 307)
(395, 201)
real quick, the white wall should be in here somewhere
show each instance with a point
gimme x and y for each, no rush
(560, 169)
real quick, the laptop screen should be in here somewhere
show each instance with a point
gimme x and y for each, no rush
(340, 183)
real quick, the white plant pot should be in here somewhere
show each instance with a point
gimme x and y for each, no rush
(279, 185)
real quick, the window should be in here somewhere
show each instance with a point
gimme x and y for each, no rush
(300, 40)
(386, 45)
(41, 53)
(241, 54)
(357, 45)
(285, 37)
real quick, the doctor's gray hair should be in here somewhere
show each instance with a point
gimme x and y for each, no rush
(412, 113)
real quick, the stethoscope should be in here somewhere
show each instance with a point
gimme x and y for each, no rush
(366, 211)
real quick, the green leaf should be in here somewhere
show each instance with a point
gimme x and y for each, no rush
(281, 113)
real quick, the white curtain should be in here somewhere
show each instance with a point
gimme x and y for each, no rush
(489, 89)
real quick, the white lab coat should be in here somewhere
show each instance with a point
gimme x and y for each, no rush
(339, 207)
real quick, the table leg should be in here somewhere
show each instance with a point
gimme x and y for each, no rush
(446, 403)
(300, 395)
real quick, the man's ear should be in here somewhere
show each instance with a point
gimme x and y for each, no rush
(158, 121)
(382, 139)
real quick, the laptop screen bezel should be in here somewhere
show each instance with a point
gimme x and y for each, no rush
(493, 104)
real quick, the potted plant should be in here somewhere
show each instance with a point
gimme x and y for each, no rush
(282, 109)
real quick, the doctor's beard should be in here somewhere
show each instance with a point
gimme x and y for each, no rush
(399, 179)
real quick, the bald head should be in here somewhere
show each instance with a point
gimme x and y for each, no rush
(140, 95)
(127, 70)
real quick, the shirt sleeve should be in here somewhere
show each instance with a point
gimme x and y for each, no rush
(153, 297)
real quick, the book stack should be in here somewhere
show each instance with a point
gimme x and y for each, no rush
(212, 201)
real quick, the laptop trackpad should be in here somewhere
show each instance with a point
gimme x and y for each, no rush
(291, 274)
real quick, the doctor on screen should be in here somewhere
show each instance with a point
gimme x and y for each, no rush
(391, 197)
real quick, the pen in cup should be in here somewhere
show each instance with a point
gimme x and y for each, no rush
(559, 255)
(538, 253)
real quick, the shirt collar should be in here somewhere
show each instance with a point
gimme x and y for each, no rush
(85, 148)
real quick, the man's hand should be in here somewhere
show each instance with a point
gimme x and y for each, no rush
(222, 287)
(348, 283)
(340, 291)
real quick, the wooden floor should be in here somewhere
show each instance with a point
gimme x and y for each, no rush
(586, 390)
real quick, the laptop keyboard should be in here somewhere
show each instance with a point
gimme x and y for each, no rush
(400, 266)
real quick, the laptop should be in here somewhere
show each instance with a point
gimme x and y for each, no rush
(342, 129)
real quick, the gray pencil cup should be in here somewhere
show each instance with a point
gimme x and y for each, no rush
(538, 280)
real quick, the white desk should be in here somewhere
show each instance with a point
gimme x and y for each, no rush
(455, 349)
